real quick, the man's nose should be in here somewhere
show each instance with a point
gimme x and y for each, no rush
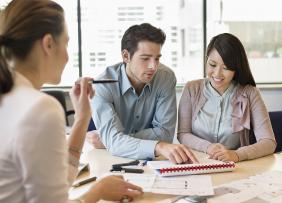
(153, 65)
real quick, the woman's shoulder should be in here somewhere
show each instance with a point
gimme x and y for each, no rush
(247, 91)
(34, 103)
(195, 85)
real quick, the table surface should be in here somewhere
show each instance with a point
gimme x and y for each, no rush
(101, 161)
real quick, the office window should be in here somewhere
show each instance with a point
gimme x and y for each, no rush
(71, 72)
(104, 22)
(258, 24)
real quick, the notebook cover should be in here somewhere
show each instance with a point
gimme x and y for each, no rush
(166, 168)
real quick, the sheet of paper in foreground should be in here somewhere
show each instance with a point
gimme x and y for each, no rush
(200, 185)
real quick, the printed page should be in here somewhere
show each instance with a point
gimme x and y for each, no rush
(263, 188)
(200, 185)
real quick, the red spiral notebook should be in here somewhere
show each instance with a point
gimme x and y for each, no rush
(166, 168)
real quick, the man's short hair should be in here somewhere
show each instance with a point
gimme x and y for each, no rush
(143, 32)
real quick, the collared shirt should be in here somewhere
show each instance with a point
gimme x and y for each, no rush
(130, 125)
(214, 121)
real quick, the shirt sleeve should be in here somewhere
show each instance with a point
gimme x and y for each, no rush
(262, 128)
(184, 131)
(41, 154)
(261, 148)
(140, 145)
(112, 133)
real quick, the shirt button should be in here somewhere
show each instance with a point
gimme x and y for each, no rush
(137, 116)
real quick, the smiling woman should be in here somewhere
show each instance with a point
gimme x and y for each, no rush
(217, 114)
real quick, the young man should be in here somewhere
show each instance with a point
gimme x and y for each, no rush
(136, 116)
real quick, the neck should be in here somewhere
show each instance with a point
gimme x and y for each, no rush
(33, 76)
(134, 80)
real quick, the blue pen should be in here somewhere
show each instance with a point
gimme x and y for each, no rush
(145, 162)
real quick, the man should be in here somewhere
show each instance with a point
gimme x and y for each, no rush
(136, 116)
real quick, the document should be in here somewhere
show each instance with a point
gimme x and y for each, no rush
(263, 188)
(166, 168)
(200, 185)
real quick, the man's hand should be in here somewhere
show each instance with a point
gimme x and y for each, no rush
(176, 153)
(94, 139)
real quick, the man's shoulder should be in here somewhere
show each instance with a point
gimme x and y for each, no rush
(111, 72)
(163, 69)
(165, 75)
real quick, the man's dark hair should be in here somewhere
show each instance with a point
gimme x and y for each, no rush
(138, 33)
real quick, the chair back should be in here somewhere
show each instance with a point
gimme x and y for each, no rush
(60, 96)
(276, 122)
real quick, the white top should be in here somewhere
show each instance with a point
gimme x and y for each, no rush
(33, 148)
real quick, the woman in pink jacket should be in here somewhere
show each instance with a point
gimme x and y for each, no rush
(222, 114)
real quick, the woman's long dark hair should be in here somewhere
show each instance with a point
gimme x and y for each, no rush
(234, 57)
(22, 23)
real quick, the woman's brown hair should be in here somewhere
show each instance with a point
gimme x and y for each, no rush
(22, 23)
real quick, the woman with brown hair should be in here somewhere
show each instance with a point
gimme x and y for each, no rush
(37, 164)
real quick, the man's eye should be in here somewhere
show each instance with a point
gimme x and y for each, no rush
(212, 65)
(145, 59)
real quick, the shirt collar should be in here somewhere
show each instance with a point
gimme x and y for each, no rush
(126, 84)
(212, 91)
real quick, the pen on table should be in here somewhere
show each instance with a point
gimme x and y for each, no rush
(100, 81)
(85, 181)
(145, 162)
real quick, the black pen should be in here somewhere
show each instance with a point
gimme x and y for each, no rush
(104, 81)
(85, 181)
(99, 81)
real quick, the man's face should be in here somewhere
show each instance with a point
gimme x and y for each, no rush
(142, 66)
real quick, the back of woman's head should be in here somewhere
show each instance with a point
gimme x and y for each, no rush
(234, 57)
(23, 22)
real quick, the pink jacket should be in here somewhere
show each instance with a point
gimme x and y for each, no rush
(249, 111)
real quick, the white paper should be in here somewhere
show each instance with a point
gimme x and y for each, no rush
(263, 188)
(200, 185)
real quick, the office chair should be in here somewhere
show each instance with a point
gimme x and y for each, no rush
(276, 122)
(60, 96)
(91, 125)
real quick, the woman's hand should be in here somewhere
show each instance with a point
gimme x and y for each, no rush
(80, 94)
(212, 148)
(113, 188)
(225, 155)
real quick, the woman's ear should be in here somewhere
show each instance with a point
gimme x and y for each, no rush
(47, 43)
(125, 56)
